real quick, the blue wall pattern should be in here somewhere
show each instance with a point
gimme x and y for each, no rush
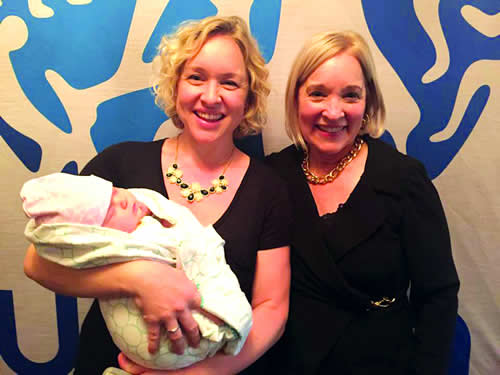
(411, 54)
(26, 149)
(85, 58)
(71, 43)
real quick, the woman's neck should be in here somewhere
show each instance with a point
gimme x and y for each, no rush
(205, 155)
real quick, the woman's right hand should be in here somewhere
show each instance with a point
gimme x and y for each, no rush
(166, 298)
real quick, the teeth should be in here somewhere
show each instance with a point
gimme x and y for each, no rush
(210, 116)
(330, 130)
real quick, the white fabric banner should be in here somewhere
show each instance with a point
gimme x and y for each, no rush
(74, 79)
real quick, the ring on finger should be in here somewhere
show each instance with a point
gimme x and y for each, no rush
(173, 330)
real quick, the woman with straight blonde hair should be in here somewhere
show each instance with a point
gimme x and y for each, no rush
(374, 287)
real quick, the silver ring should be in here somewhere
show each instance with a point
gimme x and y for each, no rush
(173, 330)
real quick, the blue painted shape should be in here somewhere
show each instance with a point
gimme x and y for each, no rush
(26, 149)
(67, 328)
(176, 12)
(387, 138)
(264, 24)
(433, 154)
(412, 54)
(130, 117)
(71, 168)
(84, 44)
(460, 355)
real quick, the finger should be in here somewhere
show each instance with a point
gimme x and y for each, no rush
(189, 328)
(129, 366)
(196, 301)
(176, 337)
(166, 223)
(153, 336)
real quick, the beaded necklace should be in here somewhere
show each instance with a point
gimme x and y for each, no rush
(194, 192)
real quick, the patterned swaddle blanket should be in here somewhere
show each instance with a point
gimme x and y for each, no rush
(198, 250)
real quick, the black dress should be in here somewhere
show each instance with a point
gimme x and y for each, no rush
(257, 218)
(391, 233)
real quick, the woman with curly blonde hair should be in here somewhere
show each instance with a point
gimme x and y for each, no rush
(212, 81)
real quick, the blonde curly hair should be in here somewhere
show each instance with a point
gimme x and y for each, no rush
(186, 42)
(315, 52)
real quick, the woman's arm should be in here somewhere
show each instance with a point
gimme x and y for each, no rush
(270, 312)
(434, 280)
(164, 294)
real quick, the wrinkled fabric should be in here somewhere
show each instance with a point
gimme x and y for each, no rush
(196, 249)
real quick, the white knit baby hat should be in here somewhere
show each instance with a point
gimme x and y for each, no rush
(66, 198)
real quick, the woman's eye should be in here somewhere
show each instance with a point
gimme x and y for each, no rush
(194, 77)
(316, 94)
(230, 84)
(353, 95)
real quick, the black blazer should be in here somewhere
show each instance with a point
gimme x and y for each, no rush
(390, 233)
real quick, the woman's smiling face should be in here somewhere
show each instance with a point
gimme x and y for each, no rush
(331, 105)
(212, 90)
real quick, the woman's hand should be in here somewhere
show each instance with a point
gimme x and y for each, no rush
(166, 298)
(164, 294)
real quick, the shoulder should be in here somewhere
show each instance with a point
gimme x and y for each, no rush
(266, 186)
(289, 155)
(387, 167)
(121, 161)
(129, 150)
(263, 173)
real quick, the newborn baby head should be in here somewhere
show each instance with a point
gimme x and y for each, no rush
(125, 212)
(91, 200)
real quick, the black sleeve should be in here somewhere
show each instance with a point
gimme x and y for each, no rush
(103, 165)
(434, 279)
(278, 217)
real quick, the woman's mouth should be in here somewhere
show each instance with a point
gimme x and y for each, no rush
(331, 129)
(210, 117)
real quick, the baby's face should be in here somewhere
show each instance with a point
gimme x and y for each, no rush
(124, 212)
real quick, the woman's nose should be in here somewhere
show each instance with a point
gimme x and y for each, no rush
(210, 94)
(333, 109)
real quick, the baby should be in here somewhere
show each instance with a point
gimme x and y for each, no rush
(83, 221)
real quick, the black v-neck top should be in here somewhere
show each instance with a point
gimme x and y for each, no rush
(258, 218)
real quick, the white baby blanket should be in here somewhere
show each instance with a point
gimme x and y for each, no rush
(198, 250)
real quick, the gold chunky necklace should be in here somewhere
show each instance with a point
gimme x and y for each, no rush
(194, 192)
(333, 174)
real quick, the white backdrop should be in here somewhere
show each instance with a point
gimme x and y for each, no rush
(74, 78)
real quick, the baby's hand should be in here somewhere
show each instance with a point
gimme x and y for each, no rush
(165, 223)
